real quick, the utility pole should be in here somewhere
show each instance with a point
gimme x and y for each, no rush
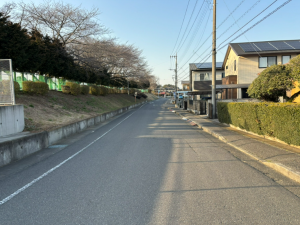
(175, 77)
(214, 62)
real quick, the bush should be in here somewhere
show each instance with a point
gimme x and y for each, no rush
(74, 88)
(38, 87)
(104, 91)
(28, 87)
(94, 90)
(84, 89)
(17, 87)
(66, 89)
(5, 86)
(271, 83)
(279, 120)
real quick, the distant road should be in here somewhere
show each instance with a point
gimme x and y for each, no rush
(145, 167)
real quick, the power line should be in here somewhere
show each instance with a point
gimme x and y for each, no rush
(196, 32)
(250, 20)
(221, 34)
(230, 14)
(181, 25)
(271, 13)
(188, 24)
(235, 32)
(191, 26)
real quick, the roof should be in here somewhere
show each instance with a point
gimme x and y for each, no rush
(250, 48)
(185, 82)
(205, 66)
(263, 47)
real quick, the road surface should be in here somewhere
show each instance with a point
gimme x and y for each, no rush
(145, 167)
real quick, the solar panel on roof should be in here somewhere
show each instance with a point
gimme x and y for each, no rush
(295, 44)
(265, 46)
(281, 45)
(249, 47)
(208, 65)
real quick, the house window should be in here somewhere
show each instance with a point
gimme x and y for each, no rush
(223, 75)
(265, 62)
(226, 67)
(285, 59)
(202, 76)
(207, 76)
(197, 77)
(234, 65)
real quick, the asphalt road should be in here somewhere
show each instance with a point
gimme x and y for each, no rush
(145, 167)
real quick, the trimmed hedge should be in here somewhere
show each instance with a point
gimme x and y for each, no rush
(66, 89)
(35, 87)
(74, 88)
(5, 86)
(84, 89)
(94, 90)
(279, 120)
(17, 87)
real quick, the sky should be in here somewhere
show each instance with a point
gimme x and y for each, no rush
(160, 28)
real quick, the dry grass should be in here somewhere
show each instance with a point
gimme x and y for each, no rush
(57, 109)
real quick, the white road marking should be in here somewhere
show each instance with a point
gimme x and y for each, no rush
(59, 165)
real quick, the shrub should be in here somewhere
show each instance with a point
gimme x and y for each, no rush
(279, 120)
(103, 90)
(271, 83)
(74, 88)
(17, 87)
(84, 89)
(94, 90)
(38, 87)
(5, 86)
(66, 89)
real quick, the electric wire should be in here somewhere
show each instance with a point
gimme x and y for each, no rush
(187, 25)
(252, 7)
(181, 26)
(235, 32)
(191, 26)
(196, 32)
(271, 13)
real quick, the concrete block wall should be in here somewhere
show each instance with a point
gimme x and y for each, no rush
(11, 119)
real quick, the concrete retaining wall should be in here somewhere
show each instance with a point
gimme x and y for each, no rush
(19, 148)
(11, 119)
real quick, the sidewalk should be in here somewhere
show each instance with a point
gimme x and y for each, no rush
(278, 156)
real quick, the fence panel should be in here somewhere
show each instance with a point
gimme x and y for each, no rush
(7, 94)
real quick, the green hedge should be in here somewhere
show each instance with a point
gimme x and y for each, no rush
(35, 87)
(94, 90)
(84, 89)
(74, 88)
(5, 86)
(279, 120)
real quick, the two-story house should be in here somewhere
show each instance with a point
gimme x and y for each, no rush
(201, 79)
(244, 61)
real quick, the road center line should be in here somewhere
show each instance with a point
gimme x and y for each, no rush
(59, 165)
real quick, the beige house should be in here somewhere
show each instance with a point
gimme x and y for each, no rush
(247, 60)
(185, 85)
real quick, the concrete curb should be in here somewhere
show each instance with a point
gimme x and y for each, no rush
(288, 172)
(17, 149)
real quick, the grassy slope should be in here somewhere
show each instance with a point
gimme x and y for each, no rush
(57, 109)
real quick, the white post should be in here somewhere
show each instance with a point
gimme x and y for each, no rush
(12, 83)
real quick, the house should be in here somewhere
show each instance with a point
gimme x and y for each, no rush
(244, 61)
(185, 85)
(201, 79)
